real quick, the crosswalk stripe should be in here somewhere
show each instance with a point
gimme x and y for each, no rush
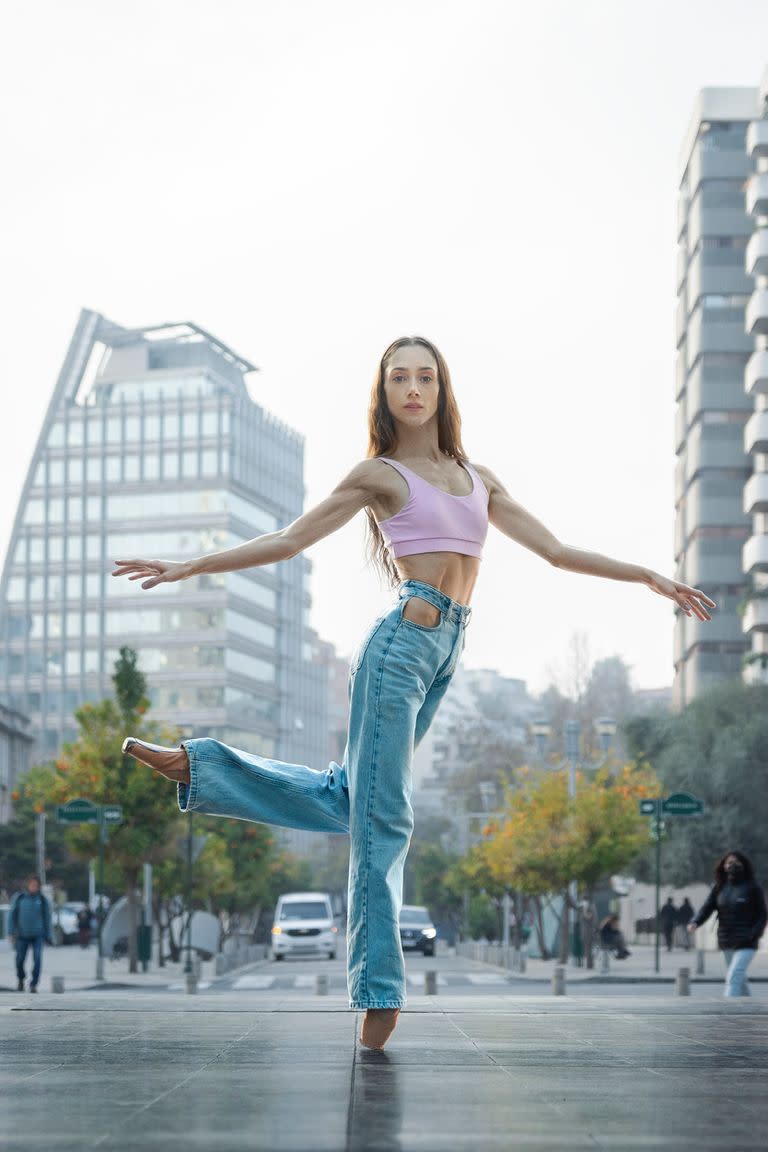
(419, 978)
(253, 981)
(485, 978)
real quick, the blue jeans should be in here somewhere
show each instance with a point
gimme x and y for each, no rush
(22, 944)
(738, 960)
(398, 676)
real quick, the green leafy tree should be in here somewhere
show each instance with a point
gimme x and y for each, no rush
(546, 839)
(717, 749)
(94, 767)
(18, 845)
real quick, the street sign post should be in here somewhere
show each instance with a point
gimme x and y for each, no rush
(677, 804)
(682, 804)
(86, 812)
(78, 812)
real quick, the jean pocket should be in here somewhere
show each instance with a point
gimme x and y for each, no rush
(414, 623)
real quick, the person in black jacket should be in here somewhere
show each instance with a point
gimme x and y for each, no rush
(741, 917)
(667, 919)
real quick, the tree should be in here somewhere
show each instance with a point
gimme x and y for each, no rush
(94, 767)
(717, 749)
(546, 839)
(18, 848)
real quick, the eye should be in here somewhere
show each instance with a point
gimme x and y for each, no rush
(427, 379)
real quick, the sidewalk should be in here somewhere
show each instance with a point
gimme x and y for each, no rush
(78, 967)
(637, 968)
(522, 1071)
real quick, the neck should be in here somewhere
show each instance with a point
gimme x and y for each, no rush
(421, 443)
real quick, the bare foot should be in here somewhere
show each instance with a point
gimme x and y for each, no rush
(378, 1026)
(173, 763)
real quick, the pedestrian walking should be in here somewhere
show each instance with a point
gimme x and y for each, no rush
(667, 920)
(428, 510)
(739, 902)
(684, 915)
(84, 918)
(29, 926)
(612, 938)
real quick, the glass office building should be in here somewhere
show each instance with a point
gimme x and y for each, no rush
(152, 447)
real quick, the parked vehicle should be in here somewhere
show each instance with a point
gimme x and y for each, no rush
(417, 932)
(304, 926)
(65, 926)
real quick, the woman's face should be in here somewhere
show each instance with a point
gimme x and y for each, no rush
(411, 385)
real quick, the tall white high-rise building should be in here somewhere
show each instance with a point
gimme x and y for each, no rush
(152, 447)
(721, 384)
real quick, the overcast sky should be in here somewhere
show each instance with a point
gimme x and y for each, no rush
(309, 181)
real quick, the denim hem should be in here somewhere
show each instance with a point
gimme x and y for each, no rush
(186, 794)
(377, 1004)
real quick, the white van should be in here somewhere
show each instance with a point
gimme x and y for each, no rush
(304, 926)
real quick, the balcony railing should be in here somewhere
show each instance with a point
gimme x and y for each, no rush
(756, 373)
(755, 617)
(757, 139)
(757, 194)
(756, 313)
(756, 256)
(755, 554)
(756, 432)
(756, 491)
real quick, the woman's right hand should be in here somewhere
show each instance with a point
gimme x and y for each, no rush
(153, 572)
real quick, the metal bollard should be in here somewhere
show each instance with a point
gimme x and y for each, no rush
(430, 983)
(558, 980)
(57, 983)
(321, 984)
(699, 961)
(605, 964)
(521, 960)
(683, 982)
(191, 982)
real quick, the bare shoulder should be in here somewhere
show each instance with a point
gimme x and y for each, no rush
(489, 478)
(373, 477)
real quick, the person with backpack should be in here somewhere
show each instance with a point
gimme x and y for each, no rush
(29, 924)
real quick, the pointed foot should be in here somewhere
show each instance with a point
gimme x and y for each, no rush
(173, 763)
(378, 1026)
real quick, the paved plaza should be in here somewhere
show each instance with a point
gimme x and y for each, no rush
(497, 1071)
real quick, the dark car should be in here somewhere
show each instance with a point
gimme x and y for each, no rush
(417, 932)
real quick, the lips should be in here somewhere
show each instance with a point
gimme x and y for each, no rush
(414, 407)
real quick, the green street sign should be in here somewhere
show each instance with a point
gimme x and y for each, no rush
(78, 812)
(113, 813)
(682, 804)
(648, 807)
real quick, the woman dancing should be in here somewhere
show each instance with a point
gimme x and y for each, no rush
(428, 510)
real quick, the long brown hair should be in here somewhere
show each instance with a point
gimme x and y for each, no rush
(382, 438)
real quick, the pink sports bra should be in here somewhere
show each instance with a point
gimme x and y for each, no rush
(435, 521)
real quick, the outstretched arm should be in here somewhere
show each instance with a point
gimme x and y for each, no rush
(353, 493)
(514, 521)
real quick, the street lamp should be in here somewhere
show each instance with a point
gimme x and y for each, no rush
(541, 733)
(606, 730)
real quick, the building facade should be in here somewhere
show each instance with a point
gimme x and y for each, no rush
(715, 338)
(755, 552)
(152, 447)
(15, 750)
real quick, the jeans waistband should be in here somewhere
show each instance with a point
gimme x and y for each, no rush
(451, 609)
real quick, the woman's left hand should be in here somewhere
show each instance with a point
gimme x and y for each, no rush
(692, 601)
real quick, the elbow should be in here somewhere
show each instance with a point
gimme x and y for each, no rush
(555, 554)
(288, 545)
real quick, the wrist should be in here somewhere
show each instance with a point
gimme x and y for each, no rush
(192, 567)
